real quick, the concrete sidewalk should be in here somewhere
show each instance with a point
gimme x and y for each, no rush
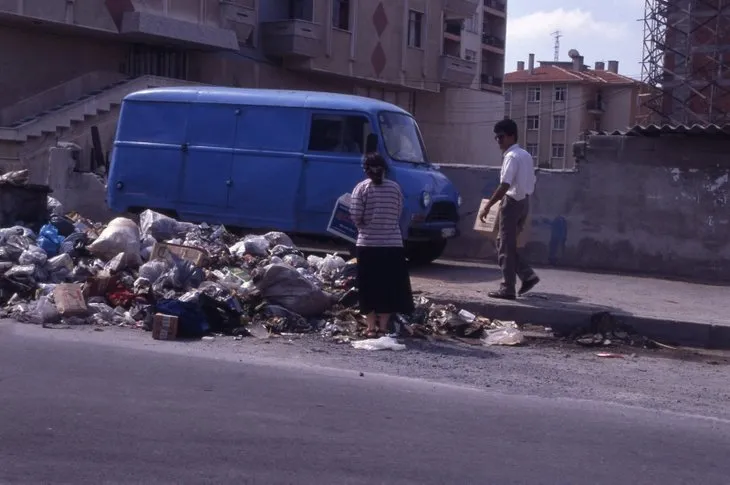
(672, 312)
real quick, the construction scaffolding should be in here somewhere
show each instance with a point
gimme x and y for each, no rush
(686, 62)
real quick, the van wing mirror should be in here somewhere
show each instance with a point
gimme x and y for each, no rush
(371, 143)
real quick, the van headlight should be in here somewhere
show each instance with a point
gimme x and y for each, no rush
(459, 201)
(425, 199)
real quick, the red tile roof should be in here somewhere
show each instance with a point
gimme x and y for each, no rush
(558, 74)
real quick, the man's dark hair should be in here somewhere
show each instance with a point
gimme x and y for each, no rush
(507, 127)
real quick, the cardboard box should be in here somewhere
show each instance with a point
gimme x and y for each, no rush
(164, 327)
(70, 300)
(490, 228)
(340, 223)
(168, 252)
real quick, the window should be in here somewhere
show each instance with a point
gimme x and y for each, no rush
(558, 150)
(533, 94)
(533, 122)
(341, 14)
(559, 122)
(401, 137)
(470, 55)
(532, 149)
(472, 24)
(415, 29)
(301, 10)
(339, 134)
(560, 92)
(508, 96)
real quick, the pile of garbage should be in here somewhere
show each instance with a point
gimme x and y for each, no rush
(184, 280)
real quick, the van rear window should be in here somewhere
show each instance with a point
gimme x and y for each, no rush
(153, 122)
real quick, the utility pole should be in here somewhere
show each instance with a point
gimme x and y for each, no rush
(557, 34)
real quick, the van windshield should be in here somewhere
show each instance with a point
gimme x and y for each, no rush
(401, 137)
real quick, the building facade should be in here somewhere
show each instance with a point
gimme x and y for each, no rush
(66, 65)
(556, 103)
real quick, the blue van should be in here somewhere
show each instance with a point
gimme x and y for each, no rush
(272, 160)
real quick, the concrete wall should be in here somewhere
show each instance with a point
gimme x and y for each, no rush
(636, 205)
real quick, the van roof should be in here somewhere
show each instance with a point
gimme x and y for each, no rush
(263, 97)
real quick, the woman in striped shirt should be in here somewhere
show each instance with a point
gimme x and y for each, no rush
(383, 281)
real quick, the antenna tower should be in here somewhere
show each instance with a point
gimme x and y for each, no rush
(557, 34)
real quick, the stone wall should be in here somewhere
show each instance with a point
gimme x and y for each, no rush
(635, 204)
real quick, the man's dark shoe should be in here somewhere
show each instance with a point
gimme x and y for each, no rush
(528, 285)
(501, 295)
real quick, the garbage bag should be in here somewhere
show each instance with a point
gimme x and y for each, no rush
(331, 265)
(192, 322)
(162, 227)
(295, 261)
(253, 245)
(279, 238)
(64, 225)
(74, 243)
(50, 239)
(153, 270)
(282, 285)
(504, 336)
(183, 276)
(44, 311)
(120, 236)
(54, 206)
(382, 343)
(33, 255)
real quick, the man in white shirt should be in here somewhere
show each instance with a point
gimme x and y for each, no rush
(516, 185)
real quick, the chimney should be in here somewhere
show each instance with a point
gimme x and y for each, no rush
(613, 67)
(600, 66)
(578, 63)
(520, 65)
(531, 63)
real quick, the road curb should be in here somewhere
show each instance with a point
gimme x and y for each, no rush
(564, 321)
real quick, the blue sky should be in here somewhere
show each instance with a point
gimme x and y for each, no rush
(601, 30)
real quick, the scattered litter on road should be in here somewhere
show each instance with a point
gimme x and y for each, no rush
(609, 355)
(383, 343)
(504, 336)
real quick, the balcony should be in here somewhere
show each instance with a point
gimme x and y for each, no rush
(240, 17)
(453, 28)
(493, 41)
(292, 38)
(462, 9)
(595, 107)
(491, 83)
(496, 7)
(455, 71)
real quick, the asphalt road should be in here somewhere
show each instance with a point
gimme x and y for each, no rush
(78, 412)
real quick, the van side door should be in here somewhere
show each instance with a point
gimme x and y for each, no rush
(332, 164)
(207, 156)
(267, 166)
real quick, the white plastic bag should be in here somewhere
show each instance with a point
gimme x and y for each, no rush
(382, 343)
(161, 227)
(120, 236)
(55, 208)
(331, 265)
(504, 336)
(279, 238)
(253, 245)
(44, 311)
(282, 285)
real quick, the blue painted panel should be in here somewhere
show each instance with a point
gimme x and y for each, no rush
(153, 122)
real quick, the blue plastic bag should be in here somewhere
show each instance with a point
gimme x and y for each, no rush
(192, 322)
(50, 240)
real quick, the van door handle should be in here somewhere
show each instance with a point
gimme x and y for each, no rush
(229, 183)
(184, 147)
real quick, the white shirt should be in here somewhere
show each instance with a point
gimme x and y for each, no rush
(518, 170)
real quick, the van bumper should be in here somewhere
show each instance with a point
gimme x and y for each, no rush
(432, 232)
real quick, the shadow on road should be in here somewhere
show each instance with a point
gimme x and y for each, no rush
(451, 349)
(443, 271)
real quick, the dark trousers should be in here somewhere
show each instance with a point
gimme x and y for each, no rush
(512, 218)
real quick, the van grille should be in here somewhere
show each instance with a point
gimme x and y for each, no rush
(443, 212)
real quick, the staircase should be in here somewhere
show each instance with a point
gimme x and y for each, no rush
(24, 143)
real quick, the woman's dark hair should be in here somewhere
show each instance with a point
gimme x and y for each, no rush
(375, 167)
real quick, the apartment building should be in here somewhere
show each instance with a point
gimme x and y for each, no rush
(66, 65)
(556, 103)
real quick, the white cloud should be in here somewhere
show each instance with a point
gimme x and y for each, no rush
(579, 23)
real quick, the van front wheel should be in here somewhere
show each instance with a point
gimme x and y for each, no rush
(419, 253)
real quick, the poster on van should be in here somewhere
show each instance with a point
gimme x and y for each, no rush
(340, 223)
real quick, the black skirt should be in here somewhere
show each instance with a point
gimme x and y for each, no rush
(384, 284)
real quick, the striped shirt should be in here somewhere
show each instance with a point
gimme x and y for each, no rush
(376, 212)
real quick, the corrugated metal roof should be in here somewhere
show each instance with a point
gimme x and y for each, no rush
(658, 130)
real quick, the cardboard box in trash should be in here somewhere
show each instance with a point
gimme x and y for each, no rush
(168, 252)
(164, 327)
(490, 227)
(70, 300)
(340, 223)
